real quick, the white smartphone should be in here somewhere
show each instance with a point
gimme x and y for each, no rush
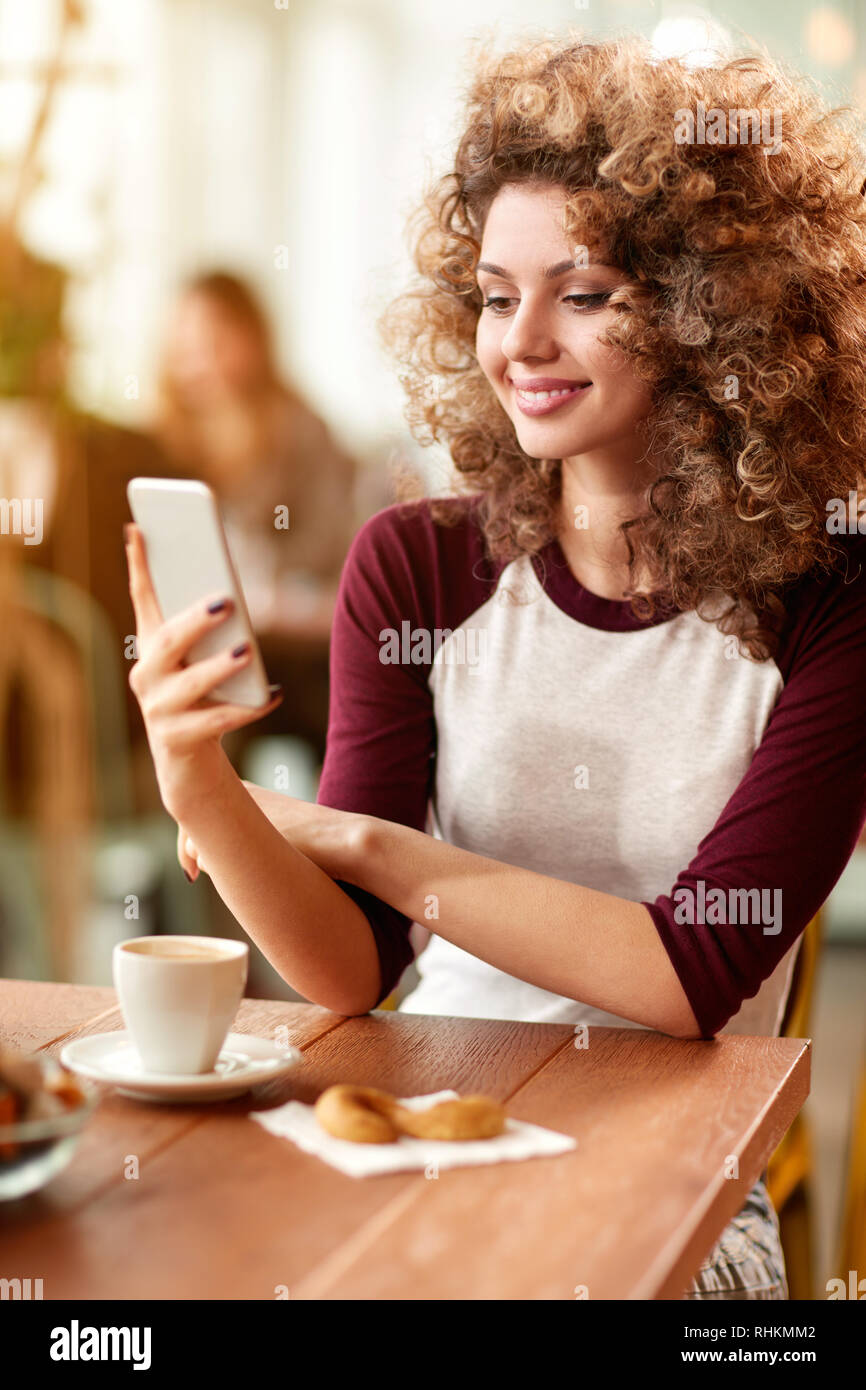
(189, 559)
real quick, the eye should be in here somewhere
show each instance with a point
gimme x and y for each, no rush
(590, 301)
(581, 302)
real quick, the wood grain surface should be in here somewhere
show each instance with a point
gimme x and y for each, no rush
(221, 1209)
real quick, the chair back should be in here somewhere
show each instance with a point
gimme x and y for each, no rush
(63, 744)
(852, 1241)
(798, 1009)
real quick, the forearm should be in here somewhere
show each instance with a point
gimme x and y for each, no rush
(571, 940)
(312, 932)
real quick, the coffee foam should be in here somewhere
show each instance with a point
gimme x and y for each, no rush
(177, 950)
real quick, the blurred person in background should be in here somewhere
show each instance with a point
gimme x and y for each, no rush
(64, 597)
(75, 765)
(285, 486)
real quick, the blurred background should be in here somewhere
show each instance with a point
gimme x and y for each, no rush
(202, 214)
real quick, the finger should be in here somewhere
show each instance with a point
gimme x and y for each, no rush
(187, 858)
(225, 716)
(177, 634)
(186, 688)
(192, 728)
(144, 603)
(169, 646)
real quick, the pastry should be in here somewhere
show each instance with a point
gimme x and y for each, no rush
(366, 1115)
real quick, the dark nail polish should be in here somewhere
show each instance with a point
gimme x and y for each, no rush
(242, 649)
(190, 878)
(218, 605)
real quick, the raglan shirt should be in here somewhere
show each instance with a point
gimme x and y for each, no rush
(506, 709)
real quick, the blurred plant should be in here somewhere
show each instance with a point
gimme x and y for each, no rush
(32, 343)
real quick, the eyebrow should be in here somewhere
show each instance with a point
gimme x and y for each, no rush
(550, 272)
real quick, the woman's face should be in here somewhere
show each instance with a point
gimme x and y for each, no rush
(209, 355)
(542, 332)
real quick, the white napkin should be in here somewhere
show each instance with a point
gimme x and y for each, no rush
(297, 1121)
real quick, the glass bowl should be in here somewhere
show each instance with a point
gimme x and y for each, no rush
(34, 1151)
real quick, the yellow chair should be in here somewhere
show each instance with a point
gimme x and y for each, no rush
(852, 1239)
(790, 1169)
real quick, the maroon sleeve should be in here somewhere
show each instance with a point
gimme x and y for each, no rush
(795, 818)
(381, 730)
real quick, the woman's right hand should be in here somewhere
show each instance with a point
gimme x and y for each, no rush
(184, 730)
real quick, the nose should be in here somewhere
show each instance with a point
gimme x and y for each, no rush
(530, 334)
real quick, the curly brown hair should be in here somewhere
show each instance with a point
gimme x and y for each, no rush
(746, 267)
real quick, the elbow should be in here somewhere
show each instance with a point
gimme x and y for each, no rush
(681, 1022)
(691, 1033)
(353, 1007)
(352, 1003)
(675, 1028)
(349, 1005)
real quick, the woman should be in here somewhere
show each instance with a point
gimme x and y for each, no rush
(286, 486)
(228, 417)
(625, 673)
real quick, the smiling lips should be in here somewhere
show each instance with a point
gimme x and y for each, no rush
(541, 395)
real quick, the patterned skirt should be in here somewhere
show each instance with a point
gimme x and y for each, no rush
(747, 1260)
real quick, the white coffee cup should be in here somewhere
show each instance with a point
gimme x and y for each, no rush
(179, 996)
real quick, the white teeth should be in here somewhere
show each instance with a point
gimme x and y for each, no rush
(544, 395)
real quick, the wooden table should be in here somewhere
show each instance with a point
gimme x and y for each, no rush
(221, 1209)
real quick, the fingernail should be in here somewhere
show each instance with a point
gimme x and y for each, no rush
(218, 605)
(275, 689)
(239, 651)
(190, 878)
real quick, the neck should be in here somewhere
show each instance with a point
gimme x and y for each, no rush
(598, 494)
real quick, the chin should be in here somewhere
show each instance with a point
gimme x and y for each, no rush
(549, 444)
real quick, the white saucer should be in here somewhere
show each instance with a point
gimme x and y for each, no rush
(244, 1061)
